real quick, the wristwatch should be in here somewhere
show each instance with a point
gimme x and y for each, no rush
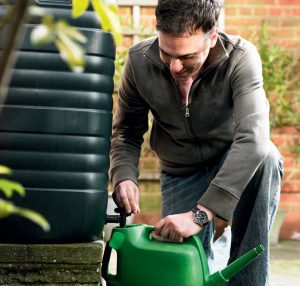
(200, 217)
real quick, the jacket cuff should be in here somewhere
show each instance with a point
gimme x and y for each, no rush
(122, 174)
(220, 201)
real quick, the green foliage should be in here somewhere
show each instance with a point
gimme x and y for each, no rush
(67, 39)
(9, 187)
(7, 208)
(4, 170)
(280, 78)
(79, 7)
(119, 65)
(121, 54)
(106, 11)
(108, 16)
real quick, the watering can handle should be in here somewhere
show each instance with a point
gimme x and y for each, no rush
(105, 262)
(116, 243)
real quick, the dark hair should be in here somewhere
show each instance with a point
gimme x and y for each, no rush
(178, 17)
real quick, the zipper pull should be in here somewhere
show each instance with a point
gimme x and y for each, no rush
(187, 112)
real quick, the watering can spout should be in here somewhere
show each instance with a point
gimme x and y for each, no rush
(221, 277)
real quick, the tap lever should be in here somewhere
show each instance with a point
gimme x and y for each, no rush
(119, 218)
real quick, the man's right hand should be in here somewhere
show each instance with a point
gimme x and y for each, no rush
(126, 194)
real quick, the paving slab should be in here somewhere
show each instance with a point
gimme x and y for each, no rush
(285, 263)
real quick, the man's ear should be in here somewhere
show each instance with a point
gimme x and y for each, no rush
(214, 37)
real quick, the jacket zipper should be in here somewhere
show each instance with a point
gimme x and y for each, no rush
(196, 141)
(185, 108)
(188, 119)
(187, 112)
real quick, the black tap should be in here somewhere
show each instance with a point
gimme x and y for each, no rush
(119, 218)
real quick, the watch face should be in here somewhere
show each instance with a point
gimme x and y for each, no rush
(201, 217)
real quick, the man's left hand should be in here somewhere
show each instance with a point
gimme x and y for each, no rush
(177, 227)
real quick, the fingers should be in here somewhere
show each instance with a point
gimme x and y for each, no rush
(177, 227)
(126, 195)
(159, 226)
(133, 199)
(137, 200)
(123, 198)
(173, 235)
(166, 229)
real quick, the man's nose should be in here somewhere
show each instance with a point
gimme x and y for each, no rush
(175, 65)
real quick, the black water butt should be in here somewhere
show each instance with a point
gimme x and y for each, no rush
(55, 129)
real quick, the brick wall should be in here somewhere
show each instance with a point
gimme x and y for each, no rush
(244, 17)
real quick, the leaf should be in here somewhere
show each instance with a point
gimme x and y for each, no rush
(41, 35)
(108, 18)
(8, 208)
(64, 27)
(33, 216)
(72, 53)
(36, 11)
(8, 187)
(112, 5)
(48, 20)
(5, 170)
(79, 7)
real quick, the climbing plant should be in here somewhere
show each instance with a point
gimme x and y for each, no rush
(281, 74)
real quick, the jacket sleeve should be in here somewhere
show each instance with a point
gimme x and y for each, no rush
(130, 123)
(251, 136)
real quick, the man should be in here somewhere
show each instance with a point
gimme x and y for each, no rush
(210, 132)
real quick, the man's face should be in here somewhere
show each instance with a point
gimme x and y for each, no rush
(185, 55)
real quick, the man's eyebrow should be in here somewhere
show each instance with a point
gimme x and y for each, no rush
(164, 52)
(182, 56)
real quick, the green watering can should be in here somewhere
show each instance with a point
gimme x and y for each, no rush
(143, 260)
